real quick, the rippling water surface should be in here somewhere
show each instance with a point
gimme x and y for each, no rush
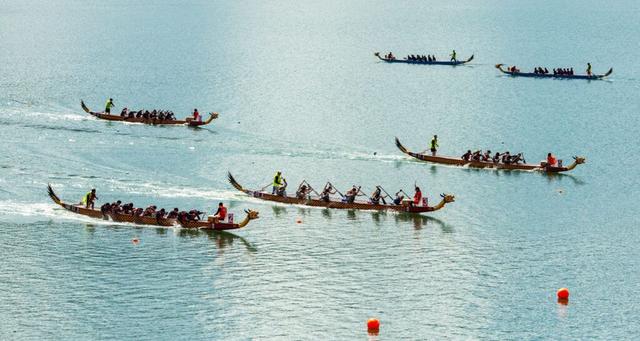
(298, 89)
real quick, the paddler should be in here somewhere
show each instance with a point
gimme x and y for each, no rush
(277, 182)
(89, 198)
(453, 56)
(433, 146)
(588, 69)
(221, 213)
(196, 115)
(108, 106)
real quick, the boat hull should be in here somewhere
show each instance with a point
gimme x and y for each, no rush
(550, 75)
(420, 62)
(405, 207)
(117, 118)
(456, 161)
(139, 220)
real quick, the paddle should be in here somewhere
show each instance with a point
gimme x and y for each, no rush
(310, 187)
(337, 191)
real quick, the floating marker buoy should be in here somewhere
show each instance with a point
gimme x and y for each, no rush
(373, 325)
(563, 294)
(135, 241)
(298, 221)
(375, 153)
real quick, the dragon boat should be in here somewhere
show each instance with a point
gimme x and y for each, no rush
(423, 62)
(457, 161)
(187, 121)
(209, 224)
(405, 206)
(551, 75)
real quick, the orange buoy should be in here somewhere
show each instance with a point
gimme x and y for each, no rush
(373, 325)
(563, 294)
(298, 221)
(135, 241)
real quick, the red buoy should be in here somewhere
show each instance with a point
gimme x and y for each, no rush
(563, 294)
(135, 241)
(373, 325)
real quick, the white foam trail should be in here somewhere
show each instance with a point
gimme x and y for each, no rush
(176, 192)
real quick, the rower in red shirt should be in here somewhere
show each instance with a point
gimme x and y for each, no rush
(196, 115)
(551, 160)
(417, 197)
(221, 213)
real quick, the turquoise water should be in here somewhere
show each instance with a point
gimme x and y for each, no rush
(299, 89)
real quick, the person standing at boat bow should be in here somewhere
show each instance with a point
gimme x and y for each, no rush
(433, 146)
(108, 106)
(89, 198)
(453, 56)
(588, 69)
(277, 182)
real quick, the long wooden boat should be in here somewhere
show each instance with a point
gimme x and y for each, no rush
(458, 161)
(110, 117)
(421, 62)
(404, 207)
(209, 224)
(551, 75)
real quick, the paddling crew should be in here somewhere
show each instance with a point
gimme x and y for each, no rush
(326, 192)
(108, 106)
(417, 196)
(160, 214)
(221, 213)
(453, 56)
(350, 196)
(399, 197)
(173, 214)
(486, 156)
(467, 156)
(194, 215)
(196, 115)
(115, 207)
(377, 196)
(89, 198)
(518, 158)
(123, 113)
(302, 191)
(496, 158)
(506, 158)
(588, 69)
(551, 160)
(127, 208)
(149, 211)
(433, 146)
(105, 208)
(476, 155)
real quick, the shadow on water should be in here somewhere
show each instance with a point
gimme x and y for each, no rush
(278, 211)
(222, 239)
(559, 177)
(421, 221)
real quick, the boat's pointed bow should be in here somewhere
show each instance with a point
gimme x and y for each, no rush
(84, 107)
(401, 147)
(234, 183)
(53, 195)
